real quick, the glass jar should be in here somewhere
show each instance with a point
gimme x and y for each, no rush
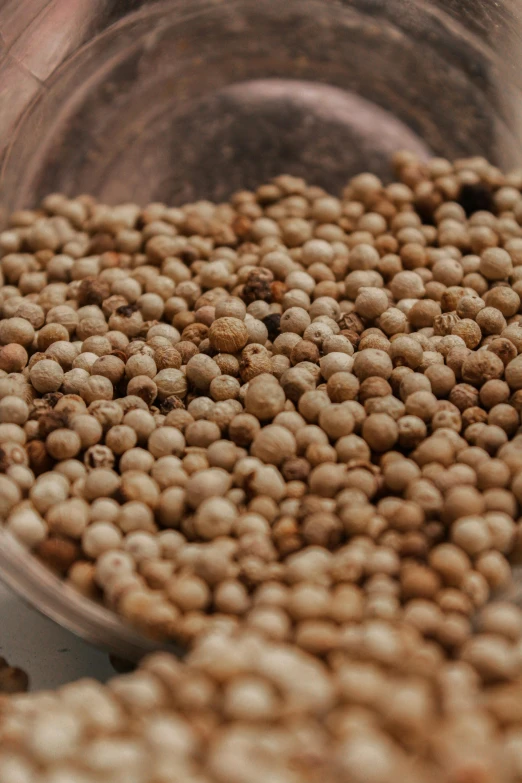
(173, 101)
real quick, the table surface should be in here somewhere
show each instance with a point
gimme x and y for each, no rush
(50, 655)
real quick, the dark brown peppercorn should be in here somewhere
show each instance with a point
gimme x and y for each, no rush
(170, 404)
(188, 255)
(476, 198)
(257, 286)
(127, 310)
(272, 322)
(93, 291)
(52, 398)
(54, 420)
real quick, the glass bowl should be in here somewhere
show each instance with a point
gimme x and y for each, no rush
(174, 101)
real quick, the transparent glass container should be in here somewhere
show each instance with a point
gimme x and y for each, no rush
(184, 99)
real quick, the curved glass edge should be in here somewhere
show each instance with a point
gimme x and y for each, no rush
(94, 623)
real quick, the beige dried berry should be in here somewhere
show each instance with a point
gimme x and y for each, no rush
(480, 367)
(228, 334)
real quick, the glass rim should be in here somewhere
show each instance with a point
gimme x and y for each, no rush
(38, 586)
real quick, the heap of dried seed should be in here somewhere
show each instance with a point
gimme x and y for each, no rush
(290, 415)
(291, 412)
(243, 709)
